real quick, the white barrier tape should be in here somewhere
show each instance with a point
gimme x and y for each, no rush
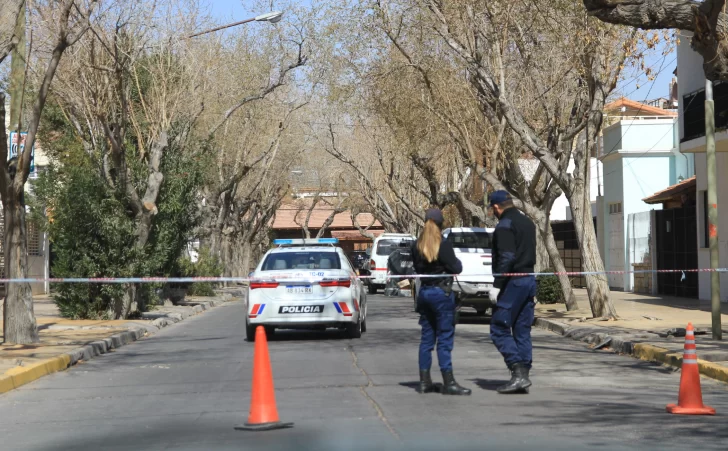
(301, 278)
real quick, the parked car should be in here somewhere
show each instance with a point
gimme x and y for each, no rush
(384, 245)
(306, 284)
(473, 248)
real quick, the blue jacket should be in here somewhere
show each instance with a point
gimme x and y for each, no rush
(514, 245)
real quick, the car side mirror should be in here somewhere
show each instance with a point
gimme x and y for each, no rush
(250, 274)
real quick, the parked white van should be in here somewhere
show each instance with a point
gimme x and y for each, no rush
(383, 246)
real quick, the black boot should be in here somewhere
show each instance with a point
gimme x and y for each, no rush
(450, 386)
(519, 382)
(426, 385)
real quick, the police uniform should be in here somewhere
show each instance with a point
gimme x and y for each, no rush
(436, 306)
(514, 251)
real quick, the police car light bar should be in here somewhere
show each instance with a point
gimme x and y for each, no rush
(306, 242)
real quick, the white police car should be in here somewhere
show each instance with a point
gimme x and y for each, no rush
(306, 284)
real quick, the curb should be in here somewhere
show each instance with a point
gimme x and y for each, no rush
(624, 344)
(21, 375)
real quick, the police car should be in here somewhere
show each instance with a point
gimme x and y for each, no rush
(306, 284)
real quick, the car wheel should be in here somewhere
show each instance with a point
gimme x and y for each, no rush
(372, 289)
(481, 312)
(250, 332)
(354, 330)
(269, 330)
(364, 326)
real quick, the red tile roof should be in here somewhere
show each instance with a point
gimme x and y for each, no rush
(290, 216)
(671, 191)
(642, 109)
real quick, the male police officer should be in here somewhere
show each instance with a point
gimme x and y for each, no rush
(514, 251)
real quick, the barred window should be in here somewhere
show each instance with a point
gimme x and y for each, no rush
(35, 246)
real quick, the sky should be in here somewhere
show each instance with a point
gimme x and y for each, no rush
(634, 86)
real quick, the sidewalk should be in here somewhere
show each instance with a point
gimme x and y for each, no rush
(650, 328)
(64, 342)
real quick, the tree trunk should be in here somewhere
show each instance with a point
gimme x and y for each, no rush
(558, 266)
(542, 255)
(19, 320)
(596, 284)
(128, 303)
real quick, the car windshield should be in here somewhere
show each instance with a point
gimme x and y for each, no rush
(279, 261)
(470, 240)
(386, 247)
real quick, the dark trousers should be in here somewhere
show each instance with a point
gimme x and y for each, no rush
(510, 327)
(437, 318)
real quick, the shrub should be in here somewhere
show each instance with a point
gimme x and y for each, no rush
(548, 290)
(206, 266)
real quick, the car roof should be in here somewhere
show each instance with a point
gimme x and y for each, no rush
(469, 229)
(282, 250)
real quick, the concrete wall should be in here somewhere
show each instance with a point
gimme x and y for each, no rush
(704, 252)
(640, 135)
(629, 179)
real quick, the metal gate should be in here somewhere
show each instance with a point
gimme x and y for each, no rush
(677, 248)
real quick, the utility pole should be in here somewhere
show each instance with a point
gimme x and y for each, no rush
(17, 76)
(712, 210)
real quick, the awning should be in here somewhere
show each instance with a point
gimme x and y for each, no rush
(671, 192)
(353, 235)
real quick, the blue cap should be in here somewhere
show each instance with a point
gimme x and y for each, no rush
(498, 197)
(434, 215)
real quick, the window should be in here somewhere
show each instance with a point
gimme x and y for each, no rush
(470, 240)
(386, 247)
(280, 261)
(615, 208)
(34, 240)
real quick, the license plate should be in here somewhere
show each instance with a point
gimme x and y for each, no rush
(308, 289)
(301, 309)
(483, 286)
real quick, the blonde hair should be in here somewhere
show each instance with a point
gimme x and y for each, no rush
(429, 241)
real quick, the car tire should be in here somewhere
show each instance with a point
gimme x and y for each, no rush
(371, 289)
(481, 312)
(364, 326)
(250, 332)
(354, 330)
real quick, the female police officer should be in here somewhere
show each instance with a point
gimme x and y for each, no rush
(436, 303)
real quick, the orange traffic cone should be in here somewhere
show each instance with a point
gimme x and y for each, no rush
(263, 412)
(690, 399)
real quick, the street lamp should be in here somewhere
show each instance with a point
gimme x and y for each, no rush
(272, 17)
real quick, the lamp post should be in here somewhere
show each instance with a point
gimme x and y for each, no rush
(272, 17)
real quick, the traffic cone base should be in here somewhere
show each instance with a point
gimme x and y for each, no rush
(263, 412)
(690, 397)
(263, 426)
(705, 410)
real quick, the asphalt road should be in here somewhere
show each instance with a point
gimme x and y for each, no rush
(186, 387)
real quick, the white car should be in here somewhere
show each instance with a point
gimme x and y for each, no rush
(473, 248)
(383, 246)
(306, 284)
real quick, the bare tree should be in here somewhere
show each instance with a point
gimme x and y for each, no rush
(8, 38)
(564, 117)
(706, 19)
(63, 24)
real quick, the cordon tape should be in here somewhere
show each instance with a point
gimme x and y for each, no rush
(305, 276)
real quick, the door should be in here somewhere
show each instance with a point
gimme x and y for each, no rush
(677, 248)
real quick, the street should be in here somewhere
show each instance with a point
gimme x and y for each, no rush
(187, 386)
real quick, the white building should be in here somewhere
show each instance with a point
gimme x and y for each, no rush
(640, 153)
(691, 94)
